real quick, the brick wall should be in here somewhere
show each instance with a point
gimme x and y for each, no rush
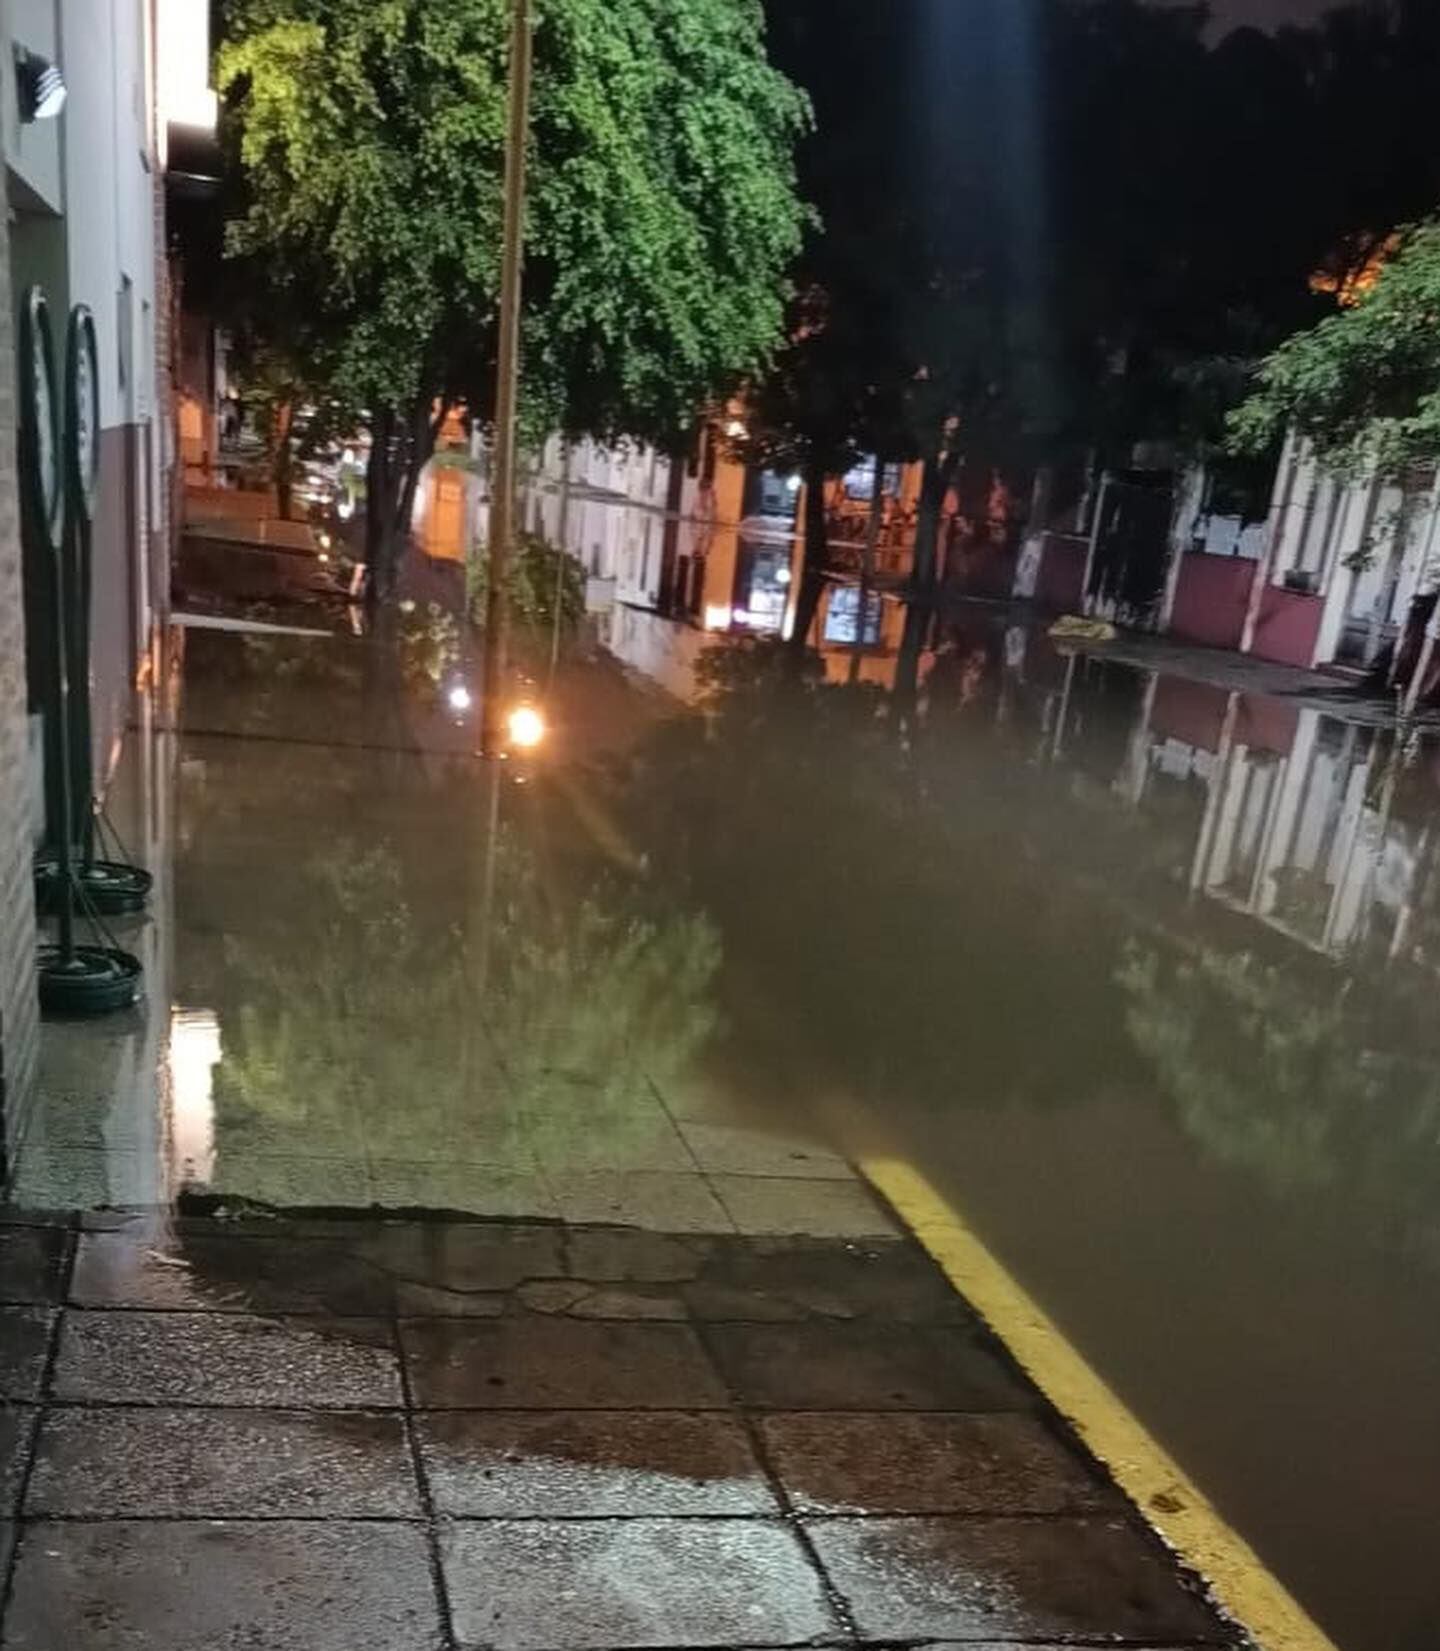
(19, 1016)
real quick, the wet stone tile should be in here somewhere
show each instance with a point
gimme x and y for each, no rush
(733, 1149)
(631, 1582)
(17, 1429)
(429, 1301)
(1007, 1579)
(860, 1367)
(603, 1255)
(65, 1178)
(180, 1586)
(213, 1464)
(589, 1465)
(32, 1261)
(579, 1299)
(885, 1281)
(24, 1341)
(928, 1464)
(295, 1182)
(220, 1358)
(462, 1257)
(645, 1140)
(662, 1203)
(469, 1189)
(762, 1206)
(558, 1364)
(209, 1272)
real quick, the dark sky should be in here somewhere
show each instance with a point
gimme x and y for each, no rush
(1230, 14)
(1268, 12)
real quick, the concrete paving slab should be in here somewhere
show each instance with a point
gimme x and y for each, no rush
(761, 1206)
(24, 1342)
(590, 1464)
(603, 1255)
(558, 1364)
(732, 1149)
(631, 1582)
(143, 1585)
(472, 1189)
(888, 1282)
(226, 1359)
(218, 1273)
(661, 1202)
(926, 1464)
(17, 1429)
(32, 1261)
(1022, 1578)
(463, 1257)
(860, 1367)
(216, 1464)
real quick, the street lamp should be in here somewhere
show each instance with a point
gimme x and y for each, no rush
(507, 386)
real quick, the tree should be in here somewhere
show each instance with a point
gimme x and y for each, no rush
(1362, 387)
(663, 210)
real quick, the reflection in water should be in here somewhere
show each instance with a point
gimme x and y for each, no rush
(1142, 970)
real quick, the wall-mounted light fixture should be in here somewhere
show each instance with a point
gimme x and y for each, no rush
(39, 86)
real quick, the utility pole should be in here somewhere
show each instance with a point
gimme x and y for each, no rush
(507, 387)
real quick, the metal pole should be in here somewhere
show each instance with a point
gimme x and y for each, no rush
(507, 387)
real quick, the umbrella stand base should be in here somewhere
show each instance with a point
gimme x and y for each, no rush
(93, 980)
(109, 887)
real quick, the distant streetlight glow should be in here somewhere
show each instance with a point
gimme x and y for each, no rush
(459, 697)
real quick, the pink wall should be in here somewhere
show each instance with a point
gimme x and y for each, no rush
(1191, 712)
(1210, 599)
(1288, 627)
(1062, 573)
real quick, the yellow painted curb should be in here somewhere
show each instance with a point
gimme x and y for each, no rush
(1139, 1463)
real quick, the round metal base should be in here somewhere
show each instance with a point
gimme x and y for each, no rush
(94, 980)
(109, 886)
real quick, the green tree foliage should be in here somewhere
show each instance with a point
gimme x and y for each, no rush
(542, 580)
(663, 213)
(1363, 387)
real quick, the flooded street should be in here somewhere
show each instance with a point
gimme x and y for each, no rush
(1137, 971)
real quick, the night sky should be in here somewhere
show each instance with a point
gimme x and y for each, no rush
(1268, 12)
(1231, 14)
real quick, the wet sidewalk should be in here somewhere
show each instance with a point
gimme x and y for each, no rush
(308, 1435)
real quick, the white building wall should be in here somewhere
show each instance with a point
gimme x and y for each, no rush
(32, 151)
(109, 192)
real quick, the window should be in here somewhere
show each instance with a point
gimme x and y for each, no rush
(843, 615)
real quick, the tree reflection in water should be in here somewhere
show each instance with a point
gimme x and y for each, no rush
(374, 1004)
(922, 909)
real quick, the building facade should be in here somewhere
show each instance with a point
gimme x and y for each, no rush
(86, 193)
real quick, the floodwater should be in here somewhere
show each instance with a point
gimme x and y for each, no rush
(1141, 972)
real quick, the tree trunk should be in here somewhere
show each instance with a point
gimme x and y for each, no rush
(282, 459)
(380, 508)
(935, 484)
(907, 667)
(400, 448)
(816, 556)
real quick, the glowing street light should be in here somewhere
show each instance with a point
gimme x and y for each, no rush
(526, 726)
